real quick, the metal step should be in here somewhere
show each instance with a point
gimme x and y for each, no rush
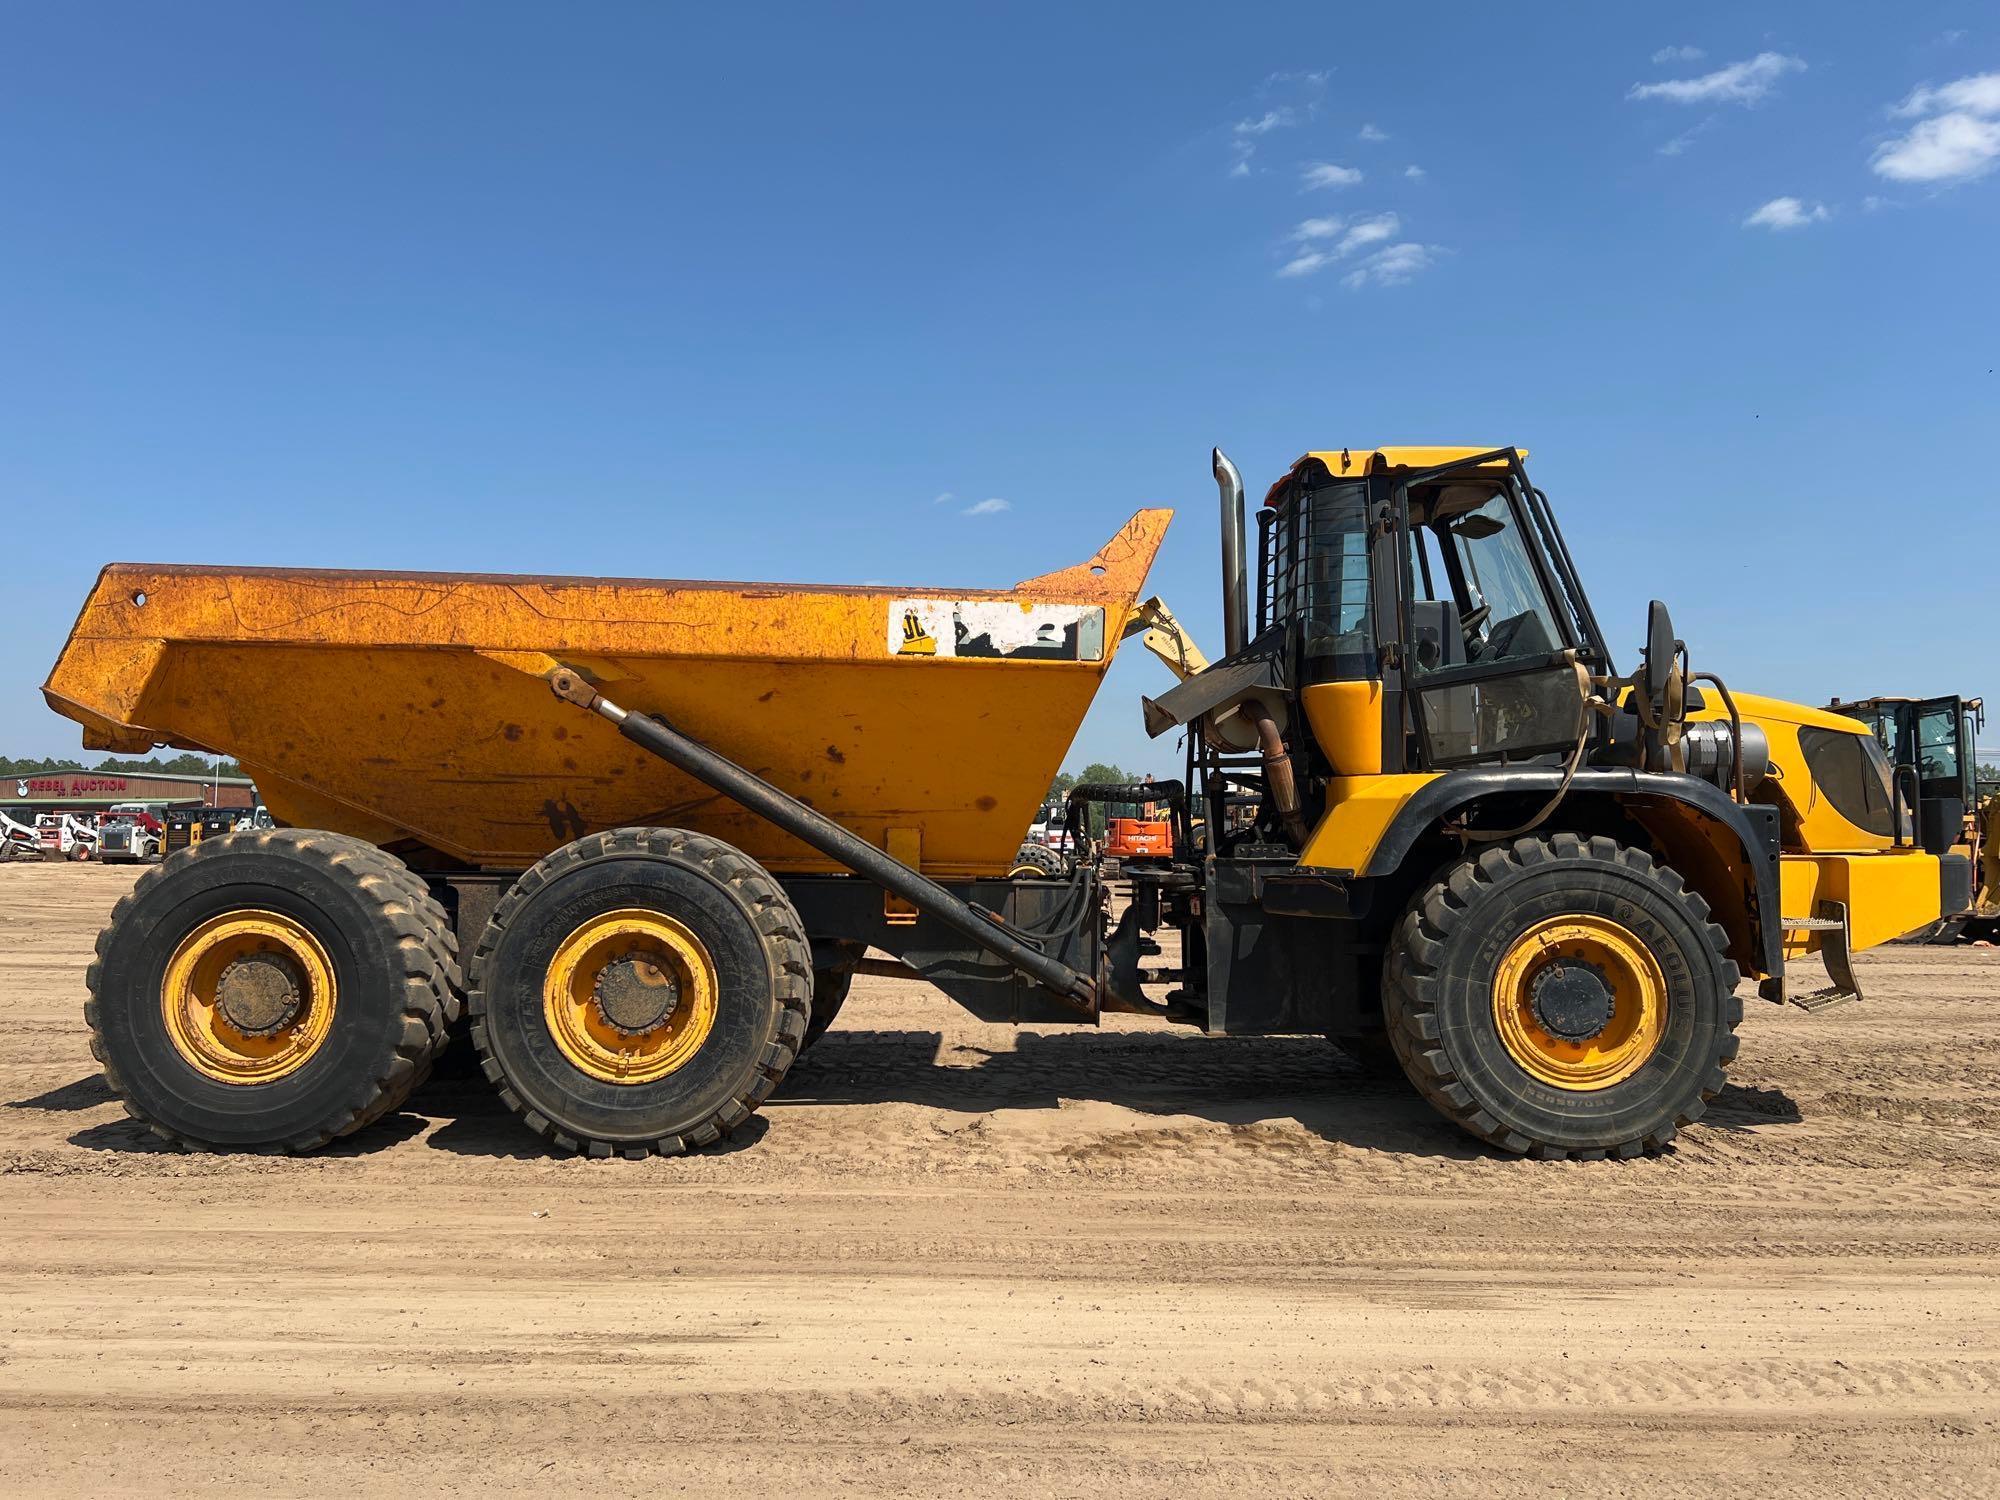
(1836, 951)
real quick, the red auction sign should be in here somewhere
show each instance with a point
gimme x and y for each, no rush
(73, 786)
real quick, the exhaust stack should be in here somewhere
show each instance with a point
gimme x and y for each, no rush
(1235, 577)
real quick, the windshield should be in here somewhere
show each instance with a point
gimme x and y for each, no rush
(1505, 612)
(1937, 745)
(1483, 606)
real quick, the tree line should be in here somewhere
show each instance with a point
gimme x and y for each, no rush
(187, 763)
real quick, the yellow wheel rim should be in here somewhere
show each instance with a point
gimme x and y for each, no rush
(630, 996)
(249, 997)
(1580, 1002)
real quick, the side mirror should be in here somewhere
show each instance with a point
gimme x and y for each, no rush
(1661, 691)
(1661, 655)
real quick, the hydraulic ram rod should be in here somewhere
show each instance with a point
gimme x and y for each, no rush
(829, 838)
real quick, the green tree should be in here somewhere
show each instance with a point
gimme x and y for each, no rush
(188, 763)
(33, 767)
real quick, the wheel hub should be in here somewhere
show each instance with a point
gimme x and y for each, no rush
(1580, 1002)
(635, 995)
(260, 993)
(1573, 1000)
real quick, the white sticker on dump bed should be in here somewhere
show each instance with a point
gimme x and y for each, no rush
(1021, 631)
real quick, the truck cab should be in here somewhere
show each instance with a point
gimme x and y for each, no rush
(1463, 806)
(1932, 745)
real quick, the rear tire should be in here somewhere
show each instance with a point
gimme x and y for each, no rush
(638, 991)
(1486, 979)
(349, 1051)
(1036, 862)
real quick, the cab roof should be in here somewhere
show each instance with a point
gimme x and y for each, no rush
(1344, 463)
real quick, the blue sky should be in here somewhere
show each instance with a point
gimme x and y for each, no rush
(741, 292)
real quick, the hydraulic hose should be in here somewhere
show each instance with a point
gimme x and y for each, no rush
(814, 829)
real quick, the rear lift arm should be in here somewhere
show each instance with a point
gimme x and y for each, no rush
(815, 829)
(1164, 637)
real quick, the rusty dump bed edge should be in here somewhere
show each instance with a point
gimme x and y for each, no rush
(410, 708)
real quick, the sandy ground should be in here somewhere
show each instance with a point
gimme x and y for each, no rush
(957, 1259)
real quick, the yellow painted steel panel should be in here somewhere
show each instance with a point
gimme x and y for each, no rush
(1346, 720)
(1821, 826)
(406, 706)
(1887, 894)
(1353, 463)
(1359, 810)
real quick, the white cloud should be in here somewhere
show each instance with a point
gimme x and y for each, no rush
(1679, 54)
(1950, 148)
(1960, 140)
(1331, 239)
(1372, 231)
(1313, 78)
(944, 498)
(1872, 204)
(1740, 83)
(986, 508)
(1415, 174)
(1372, 133)
(1270, 120)
(1977, 95)
(1247, 133)
(1322, 174)
(1786, 213)
(1393, 266)
(1685, 139)
(1301, 91)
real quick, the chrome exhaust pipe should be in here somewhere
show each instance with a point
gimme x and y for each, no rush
(1235, 575)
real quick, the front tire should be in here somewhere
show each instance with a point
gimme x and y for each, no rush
(637, 991)
(1563, 997)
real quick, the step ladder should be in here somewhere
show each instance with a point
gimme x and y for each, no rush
(1836, 951)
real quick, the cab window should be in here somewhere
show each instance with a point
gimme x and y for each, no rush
(1852, 772)
(1505, 612)
(1937, 745)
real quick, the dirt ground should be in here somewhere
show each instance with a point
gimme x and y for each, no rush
(958, 1259)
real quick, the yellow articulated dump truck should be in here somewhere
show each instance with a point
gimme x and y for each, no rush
(641, 835)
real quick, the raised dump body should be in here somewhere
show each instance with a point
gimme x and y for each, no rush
(410, 709)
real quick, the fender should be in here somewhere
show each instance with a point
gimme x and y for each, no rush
(1438, 799)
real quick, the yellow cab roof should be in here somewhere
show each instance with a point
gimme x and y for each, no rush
(1345, 462)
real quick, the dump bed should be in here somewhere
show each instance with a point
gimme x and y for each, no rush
(410, 709)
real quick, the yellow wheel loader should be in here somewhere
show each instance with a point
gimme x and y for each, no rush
(1933, 745)
(642, 834)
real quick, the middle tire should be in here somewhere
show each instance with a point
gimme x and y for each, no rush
(1037, 862)
(640, 990)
